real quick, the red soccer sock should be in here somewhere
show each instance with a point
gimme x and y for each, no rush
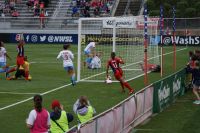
(11, 70)
(26, 75)
(127, 86)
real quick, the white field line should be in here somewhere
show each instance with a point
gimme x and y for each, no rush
(58, 88)
(18, 93)
(30, 98)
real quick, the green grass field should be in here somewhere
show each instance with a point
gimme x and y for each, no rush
(49, 78)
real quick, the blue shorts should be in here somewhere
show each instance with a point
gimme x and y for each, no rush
(67, 68)
(2, 64)
(87, 52)
(196, 83)
(88, 60)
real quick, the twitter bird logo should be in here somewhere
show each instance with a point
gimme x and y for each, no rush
(42, 38)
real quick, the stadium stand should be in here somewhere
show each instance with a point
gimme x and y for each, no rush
(61, 14)
(128, 7)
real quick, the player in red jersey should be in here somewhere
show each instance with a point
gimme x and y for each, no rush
(118, 73)
(20, 54)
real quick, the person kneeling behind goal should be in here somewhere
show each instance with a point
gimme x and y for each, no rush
(22, 71)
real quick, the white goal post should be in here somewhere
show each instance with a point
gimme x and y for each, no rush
(123, 35)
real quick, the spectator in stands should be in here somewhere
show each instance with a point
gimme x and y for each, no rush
(39, 119)
(87, 13)
(30, 4)
(36, 10)
(59, 118)
(42, 19)
(41, 5)
(46, 3)
(12, 5)
(94, 3)
(1, 8)
(82, 4)
(83, 109)
(87, 6)
(96, 11)
(75, 12)
(78, 3)
(15, 13)
(6, 7)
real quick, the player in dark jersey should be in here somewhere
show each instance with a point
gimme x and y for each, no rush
(118, 73)
(20, 53)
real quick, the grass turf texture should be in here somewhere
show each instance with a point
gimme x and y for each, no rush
(48, 74)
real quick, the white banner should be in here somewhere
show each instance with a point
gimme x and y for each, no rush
(125, 22)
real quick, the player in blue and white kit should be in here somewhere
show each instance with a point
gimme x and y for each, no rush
(67, 57)
(89, 48)
(3, 55)
(89, 51)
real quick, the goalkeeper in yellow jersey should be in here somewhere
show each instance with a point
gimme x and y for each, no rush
(22, 71)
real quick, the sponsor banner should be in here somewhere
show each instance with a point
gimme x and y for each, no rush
(124, 22)
(181, 40)
(45, 38)
(108, 39)
(166, 90)
(151, 22)
(131, 39)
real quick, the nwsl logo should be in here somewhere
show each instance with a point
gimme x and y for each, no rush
(181, 40)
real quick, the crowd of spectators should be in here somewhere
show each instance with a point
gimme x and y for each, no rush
(8, 7)
(83, 8)
(37, 6)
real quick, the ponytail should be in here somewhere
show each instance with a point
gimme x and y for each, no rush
(38, 102)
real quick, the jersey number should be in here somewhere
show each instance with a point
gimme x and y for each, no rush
(115, 65)
(66, 57)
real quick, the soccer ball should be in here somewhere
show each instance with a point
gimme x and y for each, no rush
(108, 80)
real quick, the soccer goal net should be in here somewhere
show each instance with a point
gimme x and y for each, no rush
(123, 35)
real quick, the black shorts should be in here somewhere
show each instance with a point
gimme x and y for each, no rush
(19, 73)
(196, 83)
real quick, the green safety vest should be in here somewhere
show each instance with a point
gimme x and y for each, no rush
(87, 116)
(63, 122)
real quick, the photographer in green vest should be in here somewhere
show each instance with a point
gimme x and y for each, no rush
(83, 109)
(59, 118)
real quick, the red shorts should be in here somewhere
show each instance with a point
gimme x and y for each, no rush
(20, 60)
(118, 74)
